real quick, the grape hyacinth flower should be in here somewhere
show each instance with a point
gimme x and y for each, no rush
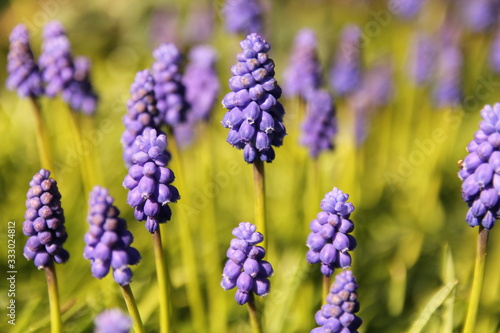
(108, 240)
(480, 171)
(339, 314)
(79, 93)
(112, 321)
(142, 113)
(406, 9)
(245, 268)
(56, 63)
(495, 52)
(243, 16)
(149, 180)
(330, 241)
(24, 76)
(448, 90)
(303, 74)
(320, 124)
(423, 59)
(480, 14)
(255, 116)
(44, 224)
(345, 75)
(168, 88)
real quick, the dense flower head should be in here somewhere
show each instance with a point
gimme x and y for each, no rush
(480, 14)
(338, 315)
(423, 59)
(108, 240)
(255, 116)
(345, 75)
(245, 268)
(406, 9)
(44, 222)
(149, 180)
(24, 76)
(56, 63)
(79, 93)
(112, 321)
(168, 88)
(320, 124)
(448, 86)
(243, 16)
(480, 171)
(329, 241)
(303, 74)
(142, 113)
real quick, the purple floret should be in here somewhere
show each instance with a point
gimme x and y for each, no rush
(44, 222)
(255, 116)
(79, 93)
(24, 76)
(149, 180)
(246, 268)
(108, 240)
(243, 16)
(330, 240)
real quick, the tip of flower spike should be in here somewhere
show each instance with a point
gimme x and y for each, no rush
(53, 29)
(19, 34)
(167, 52)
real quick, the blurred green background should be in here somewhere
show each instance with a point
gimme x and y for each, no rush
(410, 218)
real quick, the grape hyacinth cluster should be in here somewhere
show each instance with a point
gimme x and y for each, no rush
(112, 321)
(330, 241)
(303, 74)
(142, 113)
(338, 315)
(108, 240)
(481, 14)
(480, 171)
(79, 94)
(149, 180)
(448, 91)
(495, 52)
(24, 76)
(245, 268)
(243, 16)
(255, 116)
(169, 90)
(345, 75)
(320, 124)
(56, 63)
(406, 9)
(423, 59)
(44, 224)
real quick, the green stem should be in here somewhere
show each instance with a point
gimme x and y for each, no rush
(132, 308)
(163, 287)
(326, 288)
(254, 315)
(260, 199)
(55, 310)
(41, 139)
(477, 284)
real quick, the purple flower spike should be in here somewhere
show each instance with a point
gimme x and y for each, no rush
(255, 116)
(142, 113)
(79, 93)
(243, 16)
(329, 242)
(447, 91)
(44, 224)
(246, 268)
(303, 74)
(495, 52)
(423, 61)
(108, 240)
(345, 75)
(480, 171)
(406, 9)
(24, 75)
(169, 90)
(149, 180)
(112, 321)
(480, 14)
(320, 124)
(56, 63)
(339, 312)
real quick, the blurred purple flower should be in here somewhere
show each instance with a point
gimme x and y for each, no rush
(112, 321)
(24, 76)
(149, 180)
(423, 58)
(79, 93)
(108, 240)
(303, 74)
(345, 75)
(480, 14)
(448, 86)
(320, 124)
(246, 268)
(243, 16)
(495, 52)
(480, 171)
(407, 9)
(164, 25)
(255, 116)
(44, 222)
(200, 25)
